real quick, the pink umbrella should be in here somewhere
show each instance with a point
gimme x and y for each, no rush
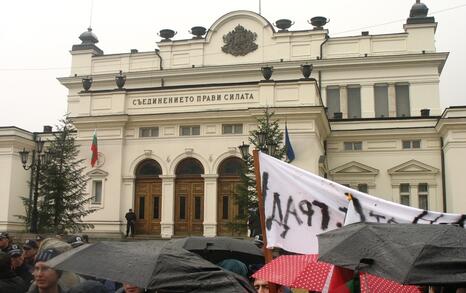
(306, 272)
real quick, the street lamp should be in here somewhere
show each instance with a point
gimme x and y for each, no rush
(38, 157)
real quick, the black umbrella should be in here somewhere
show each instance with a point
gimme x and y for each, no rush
(216, 249)
(416, 254)
(150, 265)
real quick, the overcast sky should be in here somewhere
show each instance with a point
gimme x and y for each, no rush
(36, 37)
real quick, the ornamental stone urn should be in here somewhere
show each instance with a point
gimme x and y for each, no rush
(318, 22)
(198, 31)
(87, 83)
(167, 34)
(283, 24)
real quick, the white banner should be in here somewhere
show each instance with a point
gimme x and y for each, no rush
(299, 205)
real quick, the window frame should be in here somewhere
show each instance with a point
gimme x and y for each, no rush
(151, 132)
(350, 90)
(405, 194)
(353, 145)
(411, 144)
(337, 100)
(381, 101)
(234, 128)
(423, 193)
(191, 130)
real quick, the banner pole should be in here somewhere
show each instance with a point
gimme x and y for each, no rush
(260, 199)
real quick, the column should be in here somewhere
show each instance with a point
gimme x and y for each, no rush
(167, 222)
(344, 101)
(210, 205)
(391, 100)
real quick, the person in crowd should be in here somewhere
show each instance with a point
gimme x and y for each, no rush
(263, 286)
(128, 288)
(4, 242)
(9, 282)
(39, 239)
(235, 266)
(45, 277)
(30, 248)
(89, 286)
(130, 221)
(19, 267)
(76, 241)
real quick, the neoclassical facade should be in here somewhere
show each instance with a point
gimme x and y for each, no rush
(169, 121)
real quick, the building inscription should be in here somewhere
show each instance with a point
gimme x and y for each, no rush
(194, 99)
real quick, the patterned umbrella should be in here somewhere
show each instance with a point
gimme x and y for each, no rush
(306, 272)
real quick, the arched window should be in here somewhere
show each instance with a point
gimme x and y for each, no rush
(148, 168)
(230, 167)
(189, 167)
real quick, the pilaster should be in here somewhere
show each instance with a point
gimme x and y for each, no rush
(167, 222)
(210, 205)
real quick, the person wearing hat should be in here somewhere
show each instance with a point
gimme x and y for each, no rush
(76, 241)
(17, 264)
(30, 248)
(4, 242)
(45, 277)
(9, 282)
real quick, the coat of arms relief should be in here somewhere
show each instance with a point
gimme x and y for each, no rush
(239, 42)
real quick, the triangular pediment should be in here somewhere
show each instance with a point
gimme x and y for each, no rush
(97, 173)
(413, 167)
(354, 168)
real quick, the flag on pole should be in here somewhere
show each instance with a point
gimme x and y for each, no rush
(289, 149)
(95, 154)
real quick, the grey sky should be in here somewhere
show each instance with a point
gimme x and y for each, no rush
(36, 37)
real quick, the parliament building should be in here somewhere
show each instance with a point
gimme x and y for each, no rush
(362, 110)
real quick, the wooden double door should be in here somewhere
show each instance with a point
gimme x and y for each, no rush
(227, 208)
(148, 206)
(189, 206)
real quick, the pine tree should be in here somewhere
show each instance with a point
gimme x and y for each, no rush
(63, 202)
(246, 196)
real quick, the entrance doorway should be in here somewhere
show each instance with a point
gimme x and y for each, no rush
(227, 208)
(148, 198)
(189, 198)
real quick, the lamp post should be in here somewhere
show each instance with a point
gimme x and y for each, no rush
(38, 157)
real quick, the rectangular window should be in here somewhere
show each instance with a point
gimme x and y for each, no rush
(190, 130)
(197, 208)
(352, 145)
(142, 205)
(225, 207)
(423, 194)
(156, 208)
(404, 194)
(333, 101)
(363, 187)
(148, 132)
(354, 102)
(402, 100)
(182, 207)
(96, 192)
(381, 101)
(232, 128)
(411, 144)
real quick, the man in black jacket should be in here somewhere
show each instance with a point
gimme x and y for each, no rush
(130, 221)
(9, 282)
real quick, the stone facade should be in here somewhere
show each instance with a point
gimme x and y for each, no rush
(192, 103)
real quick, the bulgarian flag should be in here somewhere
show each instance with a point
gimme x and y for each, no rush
(95, 154)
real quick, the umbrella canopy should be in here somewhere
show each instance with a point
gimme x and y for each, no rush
(306, 272)
(406, 253)
(150, 265)
(216, 249)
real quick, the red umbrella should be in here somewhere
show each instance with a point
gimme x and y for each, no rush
(306, 272)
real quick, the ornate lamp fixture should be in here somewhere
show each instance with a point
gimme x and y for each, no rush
(87, 83)
(267, 72)
(120, 80)
(244, 149)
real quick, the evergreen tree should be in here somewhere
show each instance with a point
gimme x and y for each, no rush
(63, 202)
(246, 196)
